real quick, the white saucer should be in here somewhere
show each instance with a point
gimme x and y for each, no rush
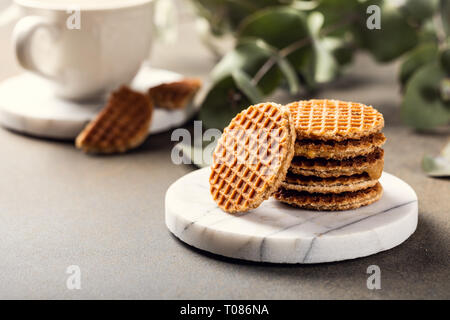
(277, 233)
(27, 104)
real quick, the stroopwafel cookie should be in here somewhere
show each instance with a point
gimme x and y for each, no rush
(175, 95)
(339, 184)
(331, 149)
(121, 125)
(372, 164)
(252, 157)
(331, 201)
(334, 120)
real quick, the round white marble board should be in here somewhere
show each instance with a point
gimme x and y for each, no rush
(278, 233)
(28, 105)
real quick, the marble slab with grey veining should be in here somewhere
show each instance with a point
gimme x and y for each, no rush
(27, 104)
(277, 233)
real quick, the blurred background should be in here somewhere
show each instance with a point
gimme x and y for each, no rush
(249, 51)
(246, 52)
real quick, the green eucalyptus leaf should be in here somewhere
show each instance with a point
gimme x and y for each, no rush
(422, 106)
(446, 151)
(223, 101)
(344, 55)
(315, 23)
(436, 166)
(246, 55)
(245, 84)
(290, 75)
(427, 32)
(260, 43)
(420, 56)
(445, 89)
(332, 43)
(249, 56)
(323, 66)
(226, 15)
(339, 21)
(212, 12)
(280, 27)
(341, 49)
(445, 14)
(445, 60)
(395, 37)
(305, 5)
(286, 68)
(338, 11)
(420, 10)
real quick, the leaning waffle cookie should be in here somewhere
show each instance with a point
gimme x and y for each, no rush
(175, 95)
(122, 125)
(331, 201)
(252, 157)
(340, 184)
(334, 119)
(331, 149)
(372, 164)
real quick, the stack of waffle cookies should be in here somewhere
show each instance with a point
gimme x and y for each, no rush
(337, 156)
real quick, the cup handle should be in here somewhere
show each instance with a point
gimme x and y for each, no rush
(22, 35)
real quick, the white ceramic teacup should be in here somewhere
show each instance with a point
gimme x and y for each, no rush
(84, 47)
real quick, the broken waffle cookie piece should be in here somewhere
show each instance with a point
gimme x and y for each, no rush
(121, 125)
(175, 95)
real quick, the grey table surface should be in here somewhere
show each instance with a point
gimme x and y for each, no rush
(59, 207)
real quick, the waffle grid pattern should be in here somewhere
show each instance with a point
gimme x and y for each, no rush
(175, 95)
(334, 119)
(120, 124)
(249, 156)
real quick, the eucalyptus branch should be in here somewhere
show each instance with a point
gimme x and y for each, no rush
(248, 4)
(286, 51)
(401, 34)
(263, 70)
